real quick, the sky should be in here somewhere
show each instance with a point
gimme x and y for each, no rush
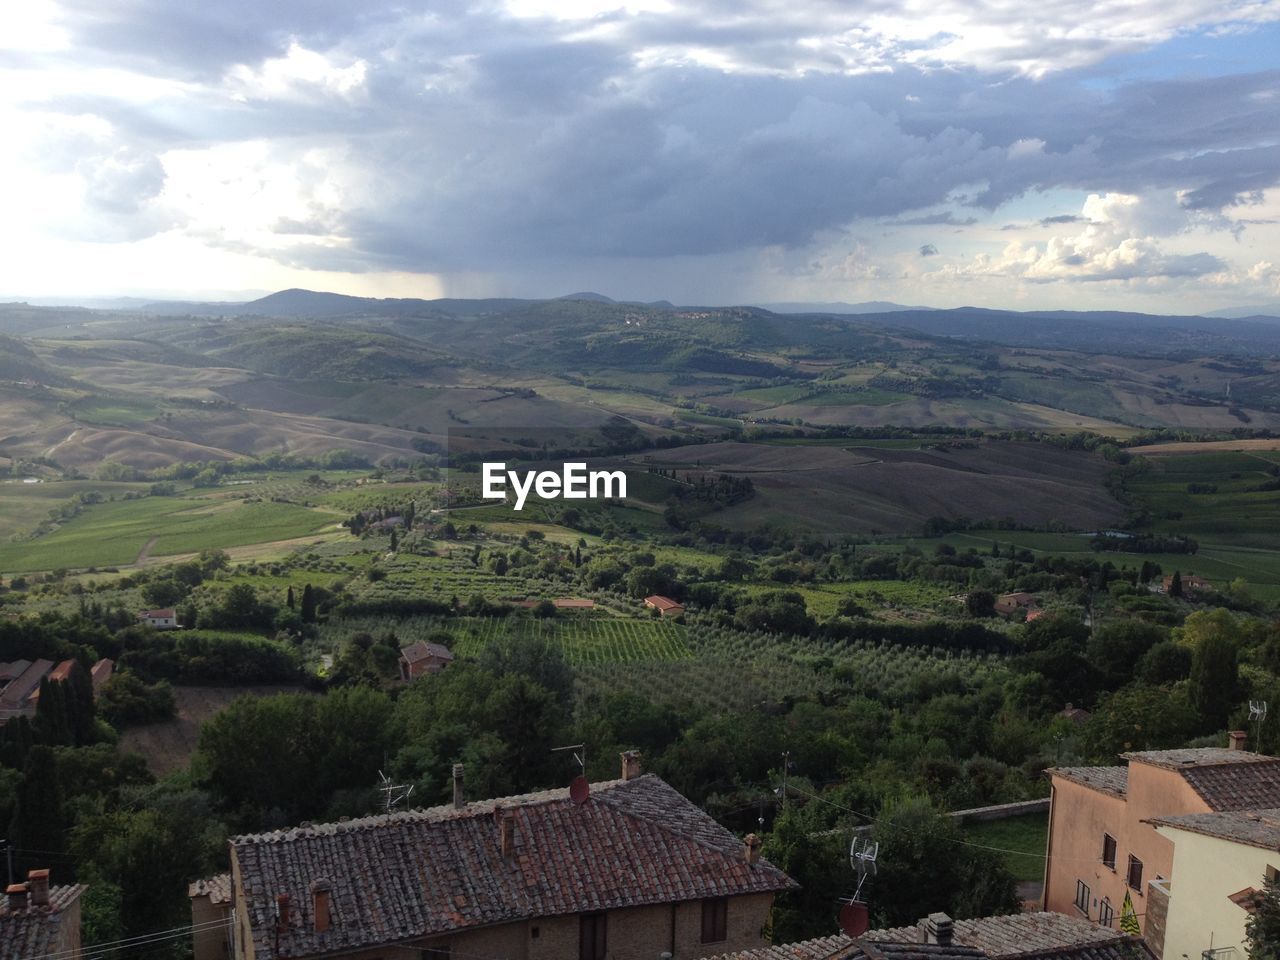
(1062, 154)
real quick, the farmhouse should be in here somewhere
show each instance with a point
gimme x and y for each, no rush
(421, 658)
(628, 870)
(1103, 848)
(101, 673)
(664, 605)
(1190, 583)
(37, 920)
(1010, 603)
(166, 619)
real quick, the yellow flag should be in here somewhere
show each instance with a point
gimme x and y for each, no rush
(1129, 917)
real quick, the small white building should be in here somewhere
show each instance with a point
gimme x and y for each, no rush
(166, 619)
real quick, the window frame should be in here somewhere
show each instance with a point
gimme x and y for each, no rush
(1083, 893)
(1110, 845)
(715, 919)
(1128, 876)
(1106, 913)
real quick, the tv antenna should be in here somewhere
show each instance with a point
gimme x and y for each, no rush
(579, 787)
(1257, 713)
(396, 793)
(580, 754)
(854, 916)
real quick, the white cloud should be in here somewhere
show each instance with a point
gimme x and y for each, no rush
(299, 75)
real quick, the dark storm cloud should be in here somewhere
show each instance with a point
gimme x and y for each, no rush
(477, 138)
(928, 250)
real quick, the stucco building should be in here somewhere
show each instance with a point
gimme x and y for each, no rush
(1220, 863)
(1102, 844)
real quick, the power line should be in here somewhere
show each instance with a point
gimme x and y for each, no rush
(140, 940)
(957, 840)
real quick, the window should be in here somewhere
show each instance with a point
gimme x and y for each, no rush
(715, 920)
(1272, 874)
(1082, 897)
(1106, 913)
(592, 942)
(1135, 873)
(1108, 851)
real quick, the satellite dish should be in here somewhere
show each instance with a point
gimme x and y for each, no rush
(579, 790)
(854, 919)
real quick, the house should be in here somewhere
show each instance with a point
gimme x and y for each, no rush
(664, 605)
(211, 917)
(59, 674)
(16, 697)
(1011, 603)
(627, 869)
(1043, 936)
(1077, 715)
(37, 920)
(1102, 846)
(421, 658)
(166, 619)
(1220, 862)
(101, 672)
(1190, 583)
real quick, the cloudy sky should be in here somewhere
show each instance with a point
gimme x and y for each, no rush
(1052, 154)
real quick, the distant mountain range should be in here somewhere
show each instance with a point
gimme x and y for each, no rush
(1244, 313)
(866, 306)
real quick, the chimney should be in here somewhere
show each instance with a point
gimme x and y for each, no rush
(38, 884)
(936, 928)
(751, 849)
(507, 833)
(459, 800)
(320, 904)
(1237, 739)
(17, 896)
(631, 767)
(282, 913)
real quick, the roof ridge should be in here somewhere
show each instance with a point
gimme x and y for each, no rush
(444, 811)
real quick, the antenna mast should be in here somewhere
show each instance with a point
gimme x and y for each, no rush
(580, 754)
(1257, 713)
(396, 793)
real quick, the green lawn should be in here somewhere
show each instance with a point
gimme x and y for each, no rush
(1025, 836)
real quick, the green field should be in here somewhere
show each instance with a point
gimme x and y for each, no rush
(112, 412)
(24, 505)
(110, 534)
(582, 639)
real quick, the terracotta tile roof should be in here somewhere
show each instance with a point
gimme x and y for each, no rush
(1112, 780)
(1195, 757)
(1254, 828)
(414, 874)
(35, 931)
(1237, 786)
(1046, 936)
(662, 603)
(422, 650)
(841, 947)
(217, 888)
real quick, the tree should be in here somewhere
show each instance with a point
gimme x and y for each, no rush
(308, 610)
(1116, 648)
(39, 823)
(1175, 584)
(1262, 929)
(924, 868)
(1138, 718)
(289, 599)
(981, 603)
(1215, 680)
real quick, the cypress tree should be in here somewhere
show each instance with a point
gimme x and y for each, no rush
(38, 823)
(308, 605)
(288, 597)
(1175, 584)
